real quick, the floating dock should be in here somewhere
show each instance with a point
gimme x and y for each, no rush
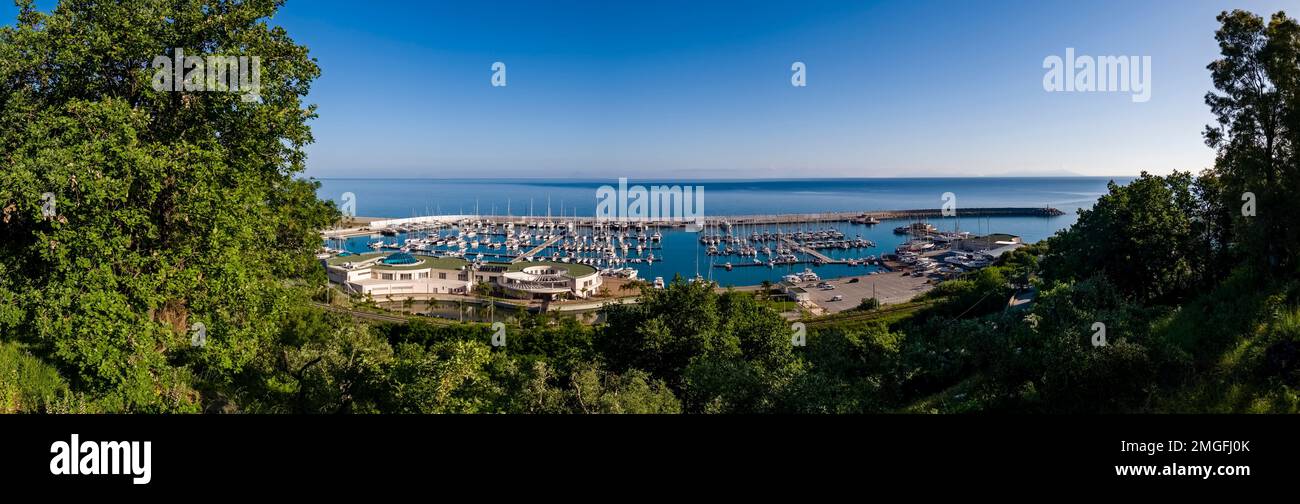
(536, 250)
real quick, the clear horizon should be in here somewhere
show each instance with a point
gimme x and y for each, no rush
(768, 179)
(678, 90)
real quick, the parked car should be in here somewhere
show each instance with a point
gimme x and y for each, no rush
(837, 298)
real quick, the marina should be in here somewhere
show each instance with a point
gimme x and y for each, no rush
(856, 220)
(499, 225)
(726, 250)
(755, 232)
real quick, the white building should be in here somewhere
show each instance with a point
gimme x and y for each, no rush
(994, 245)
(379, 274)
(794, 292)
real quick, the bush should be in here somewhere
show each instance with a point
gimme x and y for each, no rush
(28, 384)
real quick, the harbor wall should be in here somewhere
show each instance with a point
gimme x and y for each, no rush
(737, 219)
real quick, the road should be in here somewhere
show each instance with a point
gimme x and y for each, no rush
(371, 316)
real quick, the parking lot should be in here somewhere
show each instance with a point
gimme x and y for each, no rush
(890, 288)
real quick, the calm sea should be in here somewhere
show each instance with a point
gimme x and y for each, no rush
(681, 253)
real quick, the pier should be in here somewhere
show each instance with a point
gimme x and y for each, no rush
(536, 250)
(862, 218)
(810, 251)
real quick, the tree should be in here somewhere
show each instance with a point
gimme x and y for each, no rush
(661, 333)
(1022, 263)
(446, 377)
(1141, 236)
(848, 371)
(1068, 369)
(172, 208)
(635, 392)
(1257, 132)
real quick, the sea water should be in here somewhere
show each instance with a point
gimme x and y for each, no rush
(681, 252)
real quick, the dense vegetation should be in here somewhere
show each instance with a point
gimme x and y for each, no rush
(182, 207)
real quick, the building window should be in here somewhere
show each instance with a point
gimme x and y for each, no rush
(386, 276)
(424, 274)
(442, 276)
(406, 276)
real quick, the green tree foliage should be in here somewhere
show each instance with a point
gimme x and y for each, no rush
(1256, 103)
(1140, 236)
(720, 353)
(1059, 360)
(594, 391)
(977, 293)
(446, 377)
(319, 363)
(849, 371)
(664, 332)
(183, 207)
(546, 366)
(172, 207)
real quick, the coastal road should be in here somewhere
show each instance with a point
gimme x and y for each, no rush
(866, 316)
(371, 316)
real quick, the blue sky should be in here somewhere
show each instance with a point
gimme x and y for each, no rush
(694, 89)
